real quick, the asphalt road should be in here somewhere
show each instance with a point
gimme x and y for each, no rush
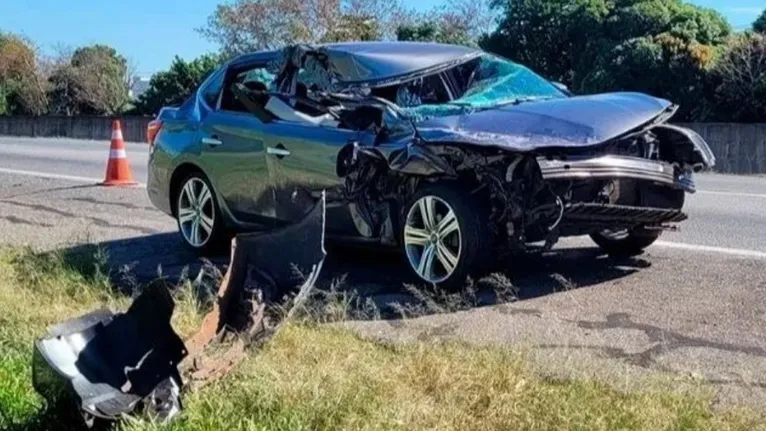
(693, 304)
(67, 157)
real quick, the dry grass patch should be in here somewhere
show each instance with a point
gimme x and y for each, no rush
(320, 378)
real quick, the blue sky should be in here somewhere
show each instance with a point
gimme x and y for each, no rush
(150, 32)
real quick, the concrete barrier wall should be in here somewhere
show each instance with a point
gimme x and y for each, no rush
(739, 148)
(80, 127)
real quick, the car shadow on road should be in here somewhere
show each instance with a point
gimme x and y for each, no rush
(381, 278)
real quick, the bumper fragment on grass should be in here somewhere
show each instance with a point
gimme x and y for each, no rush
(101, 366)
(106, 365)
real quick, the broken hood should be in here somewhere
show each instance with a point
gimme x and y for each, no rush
(548, 124)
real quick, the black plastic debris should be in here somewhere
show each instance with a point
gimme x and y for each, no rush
(106, 365)
(265, 268)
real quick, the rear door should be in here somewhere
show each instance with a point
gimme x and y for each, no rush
(234, 149)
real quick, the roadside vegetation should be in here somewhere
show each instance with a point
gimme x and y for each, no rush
(672, 49)
(319, 377)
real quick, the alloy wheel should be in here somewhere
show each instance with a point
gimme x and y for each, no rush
(432, 239)
(196, 212)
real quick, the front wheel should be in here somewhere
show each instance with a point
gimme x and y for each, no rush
(445, 235)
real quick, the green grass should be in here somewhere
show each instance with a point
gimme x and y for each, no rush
(314, 377)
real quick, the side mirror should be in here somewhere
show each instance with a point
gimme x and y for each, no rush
(563, 88)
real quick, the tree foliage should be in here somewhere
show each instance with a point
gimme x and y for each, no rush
(254, 25)
(740, 76)
(93, 81)
(23, 84)
(174, 86)
(760, 23)
(458, 22)
(353, 27)
(663, 47)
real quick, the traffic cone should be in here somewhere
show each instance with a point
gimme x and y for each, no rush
(118, 167)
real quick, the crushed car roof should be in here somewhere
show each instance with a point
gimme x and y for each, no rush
(375, 62)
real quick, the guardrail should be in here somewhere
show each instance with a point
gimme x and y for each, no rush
(739, 148)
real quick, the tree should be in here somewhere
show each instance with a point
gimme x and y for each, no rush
(253, 25)
(174, 86)
(553, 37)
(458, 22)
(740, 76)
(662, 47)
(94, 80)
(101, 85)
(760, 23)
(23, 84)
(353, 27)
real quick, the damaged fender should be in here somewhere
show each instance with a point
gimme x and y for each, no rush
(411, 159)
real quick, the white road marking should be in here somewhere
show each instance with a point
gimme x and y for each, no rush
(58, 176)
(713, 249)
(746, 195)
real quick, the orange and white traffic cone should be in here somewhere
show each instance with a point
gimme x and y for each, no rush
(118, 167)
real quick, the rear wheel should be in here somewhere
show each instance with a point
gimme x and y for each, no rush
(197, 214)
(625, 242)
(445, 236)
(629, 242)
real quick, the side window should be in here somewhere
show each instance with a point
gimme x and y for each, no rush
(255, 78)
(314, 76)
(428, 90)
(212, 89)
(434, 90)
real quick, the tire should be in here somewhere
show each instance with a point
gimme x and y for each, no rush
(210, 229)
(626, 243)
(633, 242)
(463, 246)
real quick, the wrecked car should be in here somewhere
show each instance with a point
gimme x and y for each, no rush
(452, 154)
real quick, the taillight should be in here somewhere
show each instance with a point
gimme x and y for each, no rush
(152, 130)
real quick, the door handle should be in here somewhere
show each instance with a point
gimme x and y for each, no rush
(213, 142)
(278, 151)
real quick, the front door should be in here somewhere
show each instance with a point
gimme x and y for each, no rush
(301, 161)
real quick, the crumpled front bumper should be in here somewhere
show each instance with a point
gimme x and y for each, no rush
(613, 166)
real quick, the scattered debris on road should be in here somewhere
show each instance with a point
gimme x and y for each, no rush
(108, 365)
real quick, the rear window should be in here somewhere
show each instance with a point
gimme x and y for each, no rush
(212, 88)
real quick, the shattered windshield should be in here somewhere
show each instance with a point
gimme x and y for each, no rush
(484, 82)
